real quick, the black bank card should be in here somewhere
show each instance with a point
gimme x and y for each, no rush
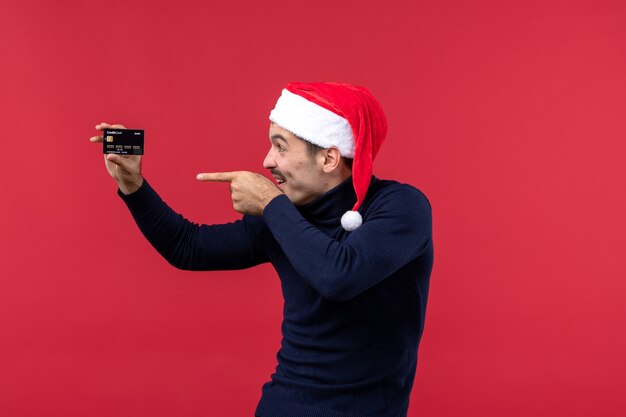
(123, 141)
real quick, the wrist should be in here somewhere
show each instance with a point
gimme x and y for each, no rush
(130, 187)
(269, 197)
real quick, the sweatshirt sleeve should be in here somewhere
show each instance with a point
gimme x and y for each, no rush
(187, 245)
(396, 229)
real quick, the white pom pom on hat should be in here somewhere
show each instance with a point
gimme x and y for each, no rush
(341, 115)
(351, 220)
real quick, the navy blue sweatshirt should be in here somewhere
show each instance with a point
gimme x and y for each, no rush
(354, 302)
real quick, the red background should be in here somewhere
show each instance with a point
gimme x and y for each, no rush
(509, 115)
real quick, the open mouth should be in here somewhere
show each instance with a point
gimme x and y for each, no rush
(279, 179)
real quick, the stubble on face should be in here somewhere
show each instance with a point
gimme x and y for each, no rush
(295, 170)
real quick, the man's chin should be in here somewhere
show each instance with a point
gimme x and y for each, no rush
(291, 198)
(294, 198)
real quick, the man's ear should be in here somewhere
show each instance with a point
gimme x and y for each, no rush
(332, 159)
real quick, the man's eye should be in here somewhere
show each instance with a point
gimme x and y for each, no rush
(281, 148)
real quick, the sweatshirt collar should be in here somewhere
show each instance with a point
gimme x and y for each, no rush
(327, 209)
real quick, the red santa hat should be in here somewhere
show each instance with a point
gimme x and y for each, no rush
(341, 115)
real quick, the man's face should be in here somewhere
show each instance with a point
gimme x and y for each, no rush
(299, 175)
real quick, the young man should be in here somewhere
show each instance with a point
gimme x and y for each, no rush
(354, 253)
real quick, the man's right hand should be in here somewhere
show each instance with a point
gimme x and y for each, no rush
(124, 169)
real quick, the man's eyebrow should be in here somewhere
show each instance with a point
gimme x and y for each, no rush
(277, 136)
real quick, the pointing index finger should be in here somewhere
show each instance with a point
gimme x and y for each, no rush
(217, 176)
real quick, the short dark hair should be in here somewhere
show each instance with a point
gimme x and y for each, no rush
(312, 149)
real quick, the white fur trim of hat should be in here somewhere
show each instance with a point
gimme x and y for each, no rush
(313, 123)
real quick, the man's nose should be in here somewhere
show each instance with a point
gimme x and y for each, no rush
(269, 162)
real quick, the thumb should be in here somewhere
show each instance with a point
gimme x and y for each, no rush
(118, 160)
(111, 157)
